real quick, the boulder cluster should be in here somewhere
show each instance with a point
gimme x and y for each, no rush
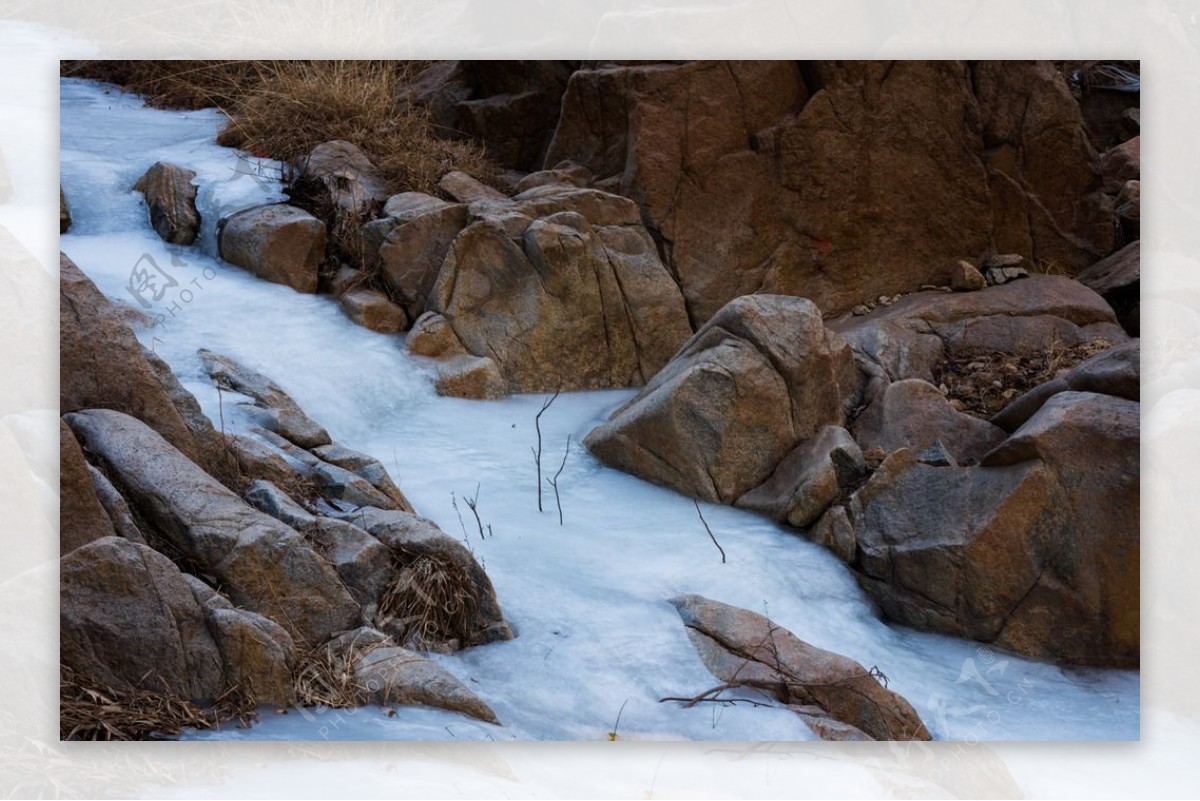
(893, 305)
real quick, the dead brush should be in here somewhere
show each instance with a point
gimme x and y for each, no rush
(429, 600)
(981, 383)
(326, 678)
(92, 710)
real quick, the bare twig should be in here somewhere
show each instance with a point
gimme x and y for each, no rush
(457, 511)
(537, 452)
(554, 481)
(473, 505)
(612, 735)
(709, 530)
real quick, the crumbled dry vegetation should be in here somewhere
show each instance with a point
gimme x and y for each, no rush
(432, 598)
(282, 109)
(91, 710)
(982, 383)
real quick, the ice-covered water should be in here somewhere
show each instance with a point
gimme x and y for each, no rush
(588, 598)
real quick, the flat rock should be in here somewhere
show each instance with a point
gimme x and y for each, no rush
(371, 309)
(465, 189)
(742, 647)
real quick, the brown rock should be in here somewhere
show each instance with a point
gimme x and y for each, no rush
(171, 198)
(103, 366)
(760, 377)
(1115, 371)
(278, 243)
(1118, 279)
(408, 246)
(82, 519)
(566, 173)
(366, 466)
(371, 309)
(283, 415)
(128, 619)
(1087, 611)
(913, 414)
(1122, 163)
(510, 106)
(432, 336)
(809, 478)
(465, 189)
(563, 289)
(350, 182)
(1045, 190)
(262, 564)
(118, 510)
(741, 647)
(1129, 202)
(257, 654)
(475, 377)
(965, 278)
(345, 279)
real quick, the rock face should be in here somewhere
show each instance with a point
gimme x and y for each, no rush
(82, 518)
(171, 198)
(511, 106)
(264, 565)
(1118, 280)
(760, 377)
(837, 696)
(562, 288)
(103, 366)
(278, 243)
(839, 181)
(350, 182)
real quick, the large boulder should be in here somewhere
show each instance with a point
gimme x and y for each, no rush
(171, 199)
(839, 181)
(511, 106)
(278, 243)
(344, 177)
(103, 366)
(127, 618)
(1035, 549)
(762, 376)
(563, 289)
(262, 564)
(81, 516)
(744, 649)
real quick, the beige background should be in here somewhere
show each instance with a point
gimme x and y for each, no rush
(34, 35)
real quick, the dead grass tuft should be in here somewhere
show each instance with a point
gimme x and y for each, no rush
(981, 383)
(92, 710)
(430, 600)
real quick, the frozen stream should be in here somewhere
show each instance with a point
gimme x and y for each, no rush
(587, 599)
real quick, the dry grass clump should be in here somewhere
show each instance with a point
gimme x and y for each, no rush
(283, 109)
(981, 383)
(92, 710)
(431, 599)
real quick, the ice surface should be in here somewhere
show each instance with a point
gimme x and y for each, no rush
(588, 599)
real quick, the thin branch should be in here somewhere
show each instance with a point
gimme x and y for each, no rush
(709, 530)
(472, 504)
(537, 452)
(554, 481)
